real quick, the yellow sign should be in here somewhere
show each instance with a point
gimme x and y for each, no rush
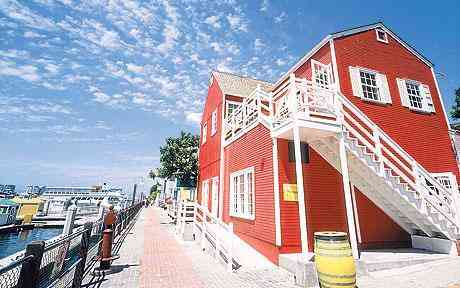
(290, 192)
(185, 194)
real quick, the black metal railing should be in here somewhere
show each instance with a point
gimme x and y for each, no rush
(10, 274)
(67, 260)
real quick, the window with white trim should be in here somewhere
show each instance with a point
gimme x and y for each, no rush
(232, 106)
(204, 131)
(242, 194)
(381, 35)
(415, 95)
(321, 74)
(370, 85)
(413, 91)
(214, 122)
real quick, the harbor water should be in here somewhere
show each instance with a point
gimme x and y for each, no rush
(11, 243)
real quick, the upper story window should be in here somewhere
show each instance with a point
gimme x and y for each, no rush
(214, 122)
(320, 74)
(370, 85)
(415, 95)
(204, 132)
(381, 35)
(232, 106)
(242, 194)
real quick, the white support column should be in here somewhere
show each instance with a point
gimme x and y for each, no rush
(348, 198)
(69, 220)
(300, 191)
(355, 209)
(276, 191)
(203, 231)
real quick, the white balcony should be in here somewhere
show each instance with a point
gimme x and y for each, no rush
(313, 108)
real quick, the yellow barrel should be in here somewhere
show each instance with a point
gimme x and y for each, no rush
(334, 260)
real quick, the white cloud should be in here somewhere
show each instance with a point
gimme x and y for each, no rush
(258, 44)
(170, 32)
(110, 39)
(237, 23)
(280, 62)
(134, 68)
(53, 86)
(23, 14)
(193, 117)
(280, 18)
(264, 6)
(13, 53)
(135, 32)
(102, 125)
(52, 68)
(26, 72)
(31, 34)
(213, 21)
(101, 97)
(216, 47)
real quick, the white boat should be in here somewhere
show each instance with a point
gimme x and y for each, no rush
(87, 199)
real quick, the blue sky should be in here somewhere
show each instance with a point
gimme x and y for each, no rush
(90, 89)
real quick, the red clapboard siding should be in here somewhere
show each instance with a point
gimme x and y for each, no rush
(254, 149)
(377, 229)
(209, 156)
(323, 196)
(424, 136)
(323, 55)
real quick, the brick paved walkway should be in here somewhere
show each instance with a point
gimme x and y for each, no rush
(152, 256)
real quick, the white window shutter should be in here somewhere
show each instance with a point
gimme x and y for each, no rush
(428, 99)
(403, 92)
(384, 90)
(356, 82)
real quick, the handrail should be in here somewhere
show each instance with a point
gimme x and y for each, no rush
(251, 110)
(416, 171)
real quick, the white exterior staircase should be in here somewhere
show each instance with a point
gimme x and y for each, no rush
(380, 168)
(392, 179)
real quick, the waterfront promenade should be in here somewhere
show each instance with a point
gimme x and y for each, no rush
(151, 256)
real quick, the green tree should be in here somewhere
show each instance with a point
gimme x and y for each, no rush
(179, 159)
(455, 112)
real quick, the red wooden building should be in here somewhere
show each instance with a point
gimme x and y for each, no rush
(354, 138)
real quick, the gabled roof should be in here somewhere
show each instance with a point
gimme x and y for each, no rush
(237, 85)
(386, 29)
(349, 32)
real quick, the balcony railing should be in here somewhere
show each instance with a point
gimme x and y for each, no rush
(253, 108)
(303, 99)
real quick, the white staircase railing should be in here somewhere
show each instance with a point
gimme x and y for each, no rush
(253, 108)
(215, 232)
(396, 162)
(185, 214)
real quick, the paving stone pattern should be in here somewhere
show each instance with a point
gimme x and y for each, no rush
(153, 256)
